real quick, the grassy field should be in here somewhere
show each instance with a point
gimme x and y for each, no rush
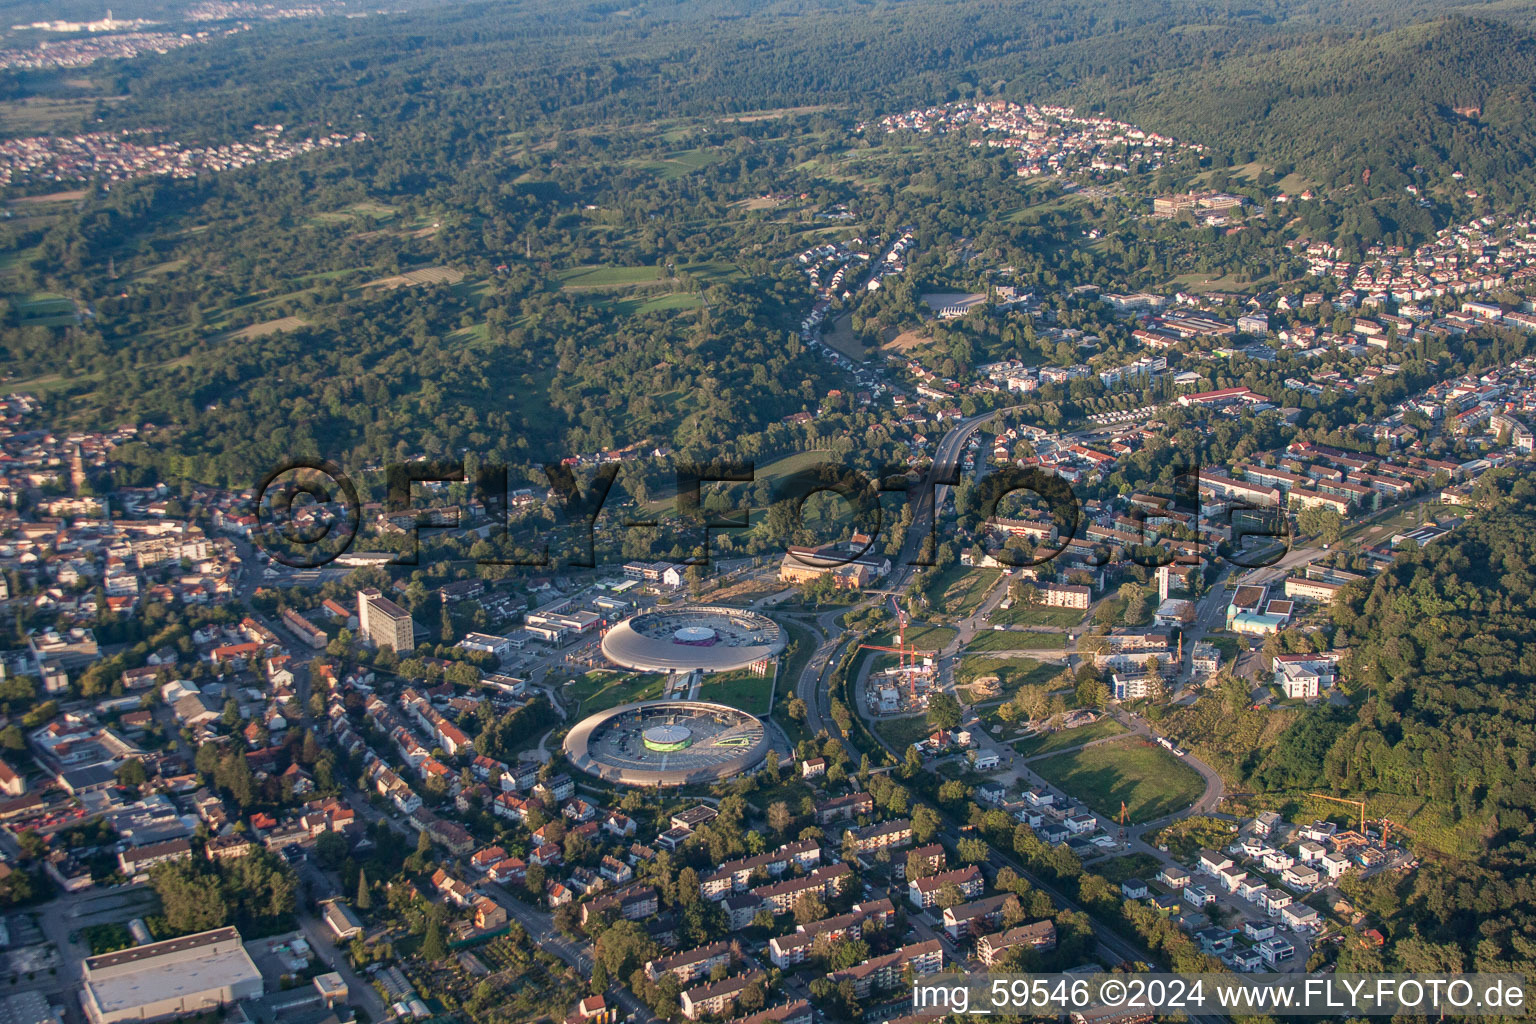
(1229, 646)
(1187, 837)
(901, 733)
(45, 308)
(927, 640)
(740, 689)
(608, 277)
(772, 472)
(365, 215)
(602, 689)
(1420, 817)
(790, 790)
(1037, 615)
(1132, 865)
(1013, 640)
(1011, 673)
(958, 589)
(713, 272)
(1149, 780)
(776, 470)
(675, 165)
(1063, 738)
(634, 305)
(48, 114)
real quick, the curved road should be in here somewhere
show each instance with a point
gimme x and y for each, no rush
(813, 689)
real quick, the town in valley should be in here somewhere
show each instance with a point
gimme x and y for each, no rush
(499, 528)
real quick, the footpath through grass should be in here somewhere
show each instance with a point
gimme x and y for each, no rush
(1061, 739)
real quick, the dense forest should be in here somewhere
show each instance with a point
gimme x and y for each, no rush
(509, 149)
(1441, 655)
(1407, 106)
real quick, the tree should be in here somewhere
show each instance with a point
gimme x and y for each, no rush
(567, 921)
(330, 850)
(1033, 701)
(1325, 523)
(779, 816)
(622, 948)
(131, 773)
(943, 711)
(364, 899)
(808, 908)
(1092, 693)
(191, 900)
(925, 823)
(972, 850)
(918, 866)
(432, 948)
(206, 760)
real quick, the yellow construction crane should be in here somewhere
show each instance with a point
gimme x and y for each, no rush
(1340, 800)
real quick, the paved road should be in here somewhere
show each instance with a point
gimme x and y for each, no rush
(813, 684)
(323, 942)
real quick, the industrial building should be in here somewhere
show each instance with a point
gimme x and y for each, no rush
(190, 974)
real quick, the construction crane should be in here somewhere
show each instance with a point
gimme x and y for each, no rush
(1122, 821)
(903, 650)
(901, 647)
(1352, 803)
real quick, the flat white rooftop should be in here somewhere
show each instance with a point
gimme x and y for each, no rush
(162, 979)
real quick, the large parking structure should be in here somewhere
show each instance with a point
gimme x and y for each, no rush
(667, 743)
(706, 638)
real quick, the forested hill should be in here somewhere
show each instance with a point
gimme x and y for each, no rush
(1444, 642)
(1440, 736)
(1338, 105)
(1333, 89)
(1444, 646)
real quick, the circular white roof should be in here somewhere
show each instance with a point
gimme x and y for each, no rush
(710, 638)
(668, 743)
(667, 734)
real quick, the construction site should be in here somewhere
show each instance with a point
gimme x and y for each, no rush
(904, 687)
